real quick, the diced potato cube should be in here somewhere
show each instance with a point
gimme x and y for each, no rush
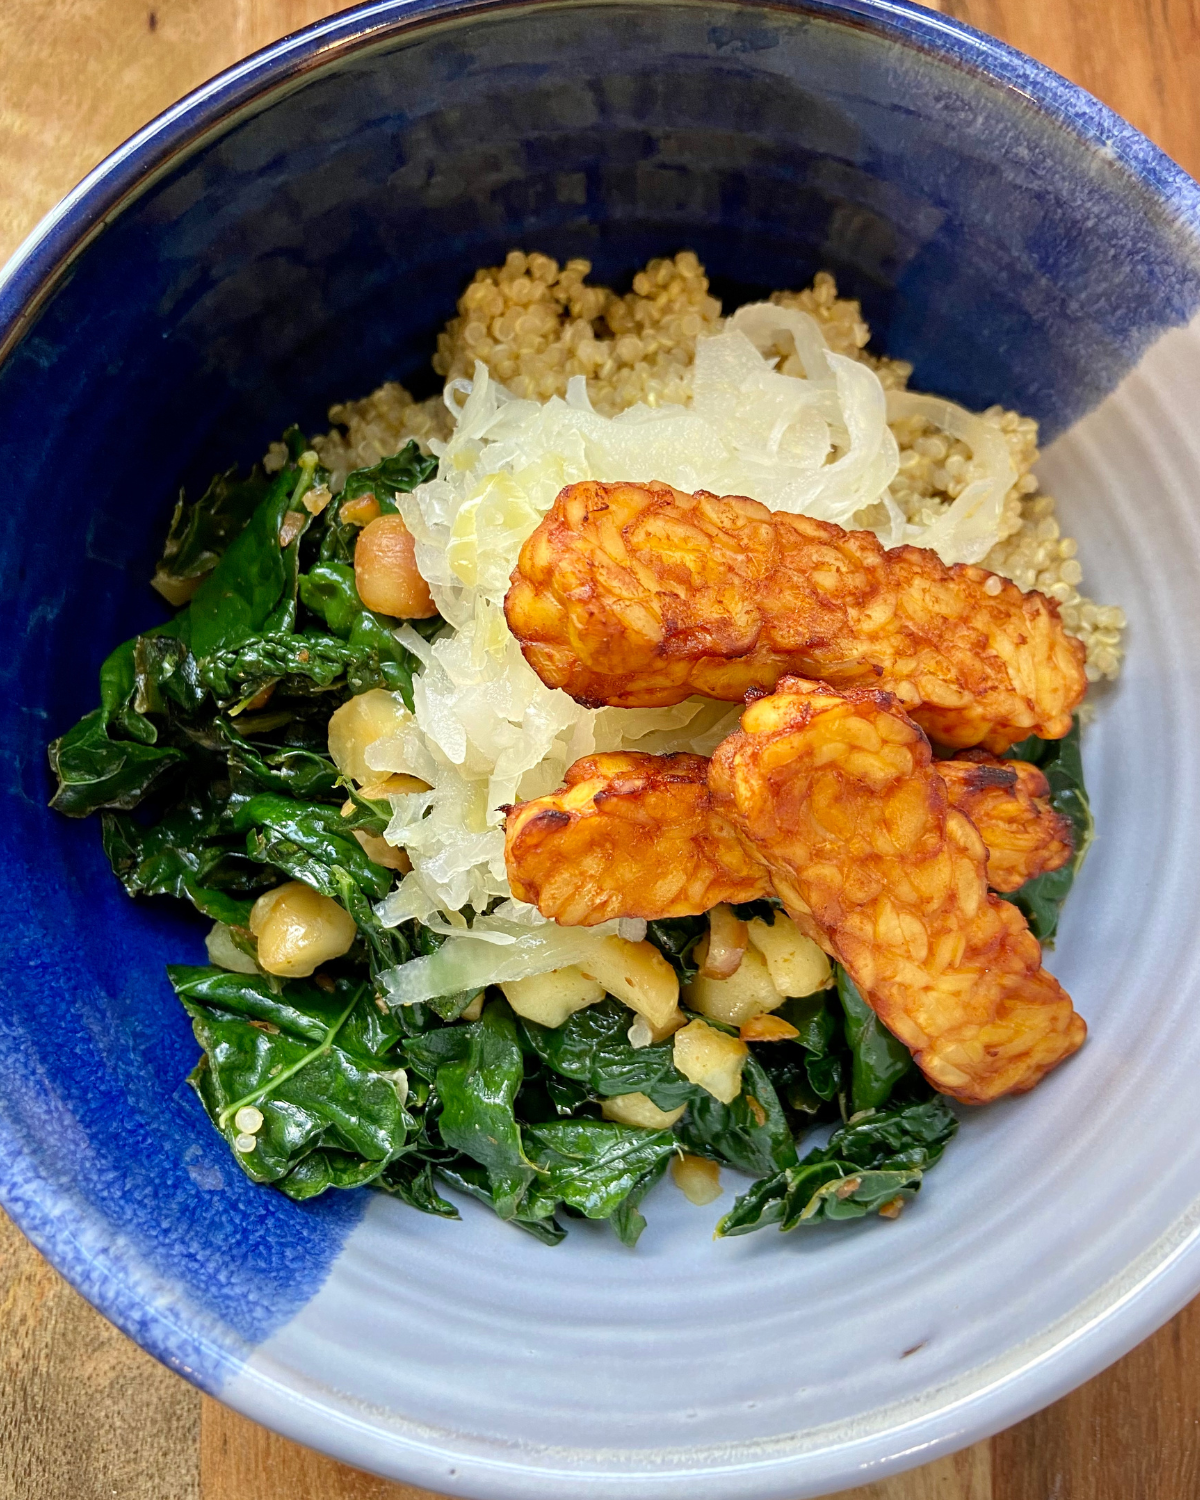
(797, 965)
(747, 992)
(360, 722)
(298, 929)
(638, 974)
(720, 953)
(550, 998)
(475, 1009)
(697, 1178)
(637, 1109)
(711, 1059)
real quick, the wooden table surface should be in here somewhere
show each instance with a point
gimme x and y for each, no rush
(84, 1414)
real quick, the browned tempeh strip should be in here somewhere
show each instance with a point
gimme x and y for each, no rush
(640, 595)
(633, 835)
(629, 836)
(839, 795)
(1008, 802)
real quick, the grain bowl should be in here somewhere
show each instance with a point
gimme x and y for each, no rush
(299, 232)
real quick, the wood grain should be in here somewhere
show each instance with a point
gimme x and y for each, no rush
(1133, 1432)
(84, 1414)
(1142, 57)
(239, 1461)
(80, 76)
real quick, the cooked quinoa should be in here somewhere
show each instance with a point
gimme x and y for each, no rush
(535, 324)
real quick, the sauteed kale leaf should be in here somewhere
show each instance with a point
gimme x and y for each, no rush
(274, 617)
(208, 760)
(1040, 899)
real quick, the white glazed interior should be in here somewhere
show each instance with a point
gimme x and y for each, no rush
(1055, 1234)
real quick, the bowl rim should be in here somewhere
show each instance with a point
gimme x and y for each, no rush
(1116, 1317)
(34, 267)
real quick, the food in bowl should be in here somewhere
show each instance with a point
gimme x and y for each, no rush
(553, 762)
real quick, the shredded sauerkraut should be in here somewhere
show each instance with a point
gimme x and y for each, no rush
(774, 415)
(514, 942)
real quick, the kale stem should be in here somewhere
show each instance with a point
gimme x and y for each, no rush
(304, 482)
(263, 1090)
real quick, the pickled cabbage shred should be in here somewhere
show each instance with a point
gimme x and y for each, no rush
(774, 415)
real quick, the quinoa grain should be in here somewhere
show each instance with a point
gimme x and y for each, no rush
(535, 324)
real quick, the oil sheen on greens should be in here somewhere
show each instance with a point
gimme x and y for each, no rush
(208, 763)
(1040, 900)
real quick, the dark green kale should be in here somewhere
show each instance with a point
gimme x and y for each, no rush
(259, 628)
(811, 1074)
(627, 1218)
(527, 1172)
(592, 1165)
(592, 1048)
(201, 530)
(373, 658)
(113, 756)
(391, 477)
(676, 939)
(410, 1178)
(293, 770)
(751, 1134)
(314, 1065)
(874, 1163)
(1040, 899)
(193, 853)
(879, 1061)
(476, 1071)
(470, 1178)
(252, 590)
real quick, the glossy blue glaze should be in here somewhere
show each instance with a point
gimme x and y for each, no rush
(296, 232)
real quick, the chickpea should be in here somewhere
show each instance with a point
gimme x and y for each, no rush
(374, 846)
(298, 929)
(371, 716)
(385, 570)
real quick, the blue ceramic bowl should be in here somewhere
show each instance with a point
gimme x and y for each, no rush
(297, 231)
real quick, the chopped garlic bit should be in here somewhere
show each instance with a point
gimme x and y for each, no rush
(639, 1033)
(244, 1144)
(290, 528)
(248, 1120)
(276, 458)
